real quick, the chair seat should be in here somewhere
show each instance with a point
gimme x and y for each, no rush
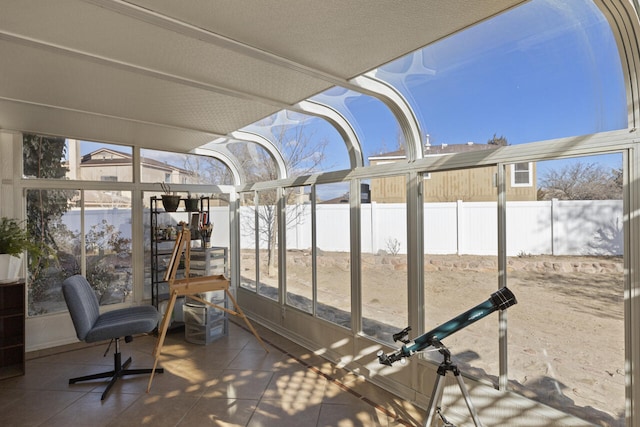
(124, 322)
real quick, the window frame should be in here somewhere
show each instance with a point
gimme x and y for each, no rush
(515, 173)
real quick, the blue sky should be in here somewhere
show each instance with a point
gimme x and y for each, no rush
(540, 71)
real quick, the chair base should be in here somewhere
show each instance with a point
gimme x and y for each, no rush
(120, 370)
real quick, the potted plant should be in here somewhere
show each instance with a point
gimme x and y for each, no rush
(191, 203)
(170, 201)
(14, 240)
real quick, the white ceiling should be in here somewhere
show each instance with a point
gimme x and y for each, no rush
(174, 75)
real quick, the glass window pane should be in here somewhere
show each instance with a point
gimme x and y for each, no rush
(93, 241)
(308, 144)
(267, 233)
(521, 174)
(108, 250)
(61, 158)
(565, 252)
(220, 233)
(44, 157)
(179, 168)
(461, 264)
(248, 242)
(496, 76)
(256, 162)
(299, 265)
(54, 222)
(90, 161)
(384, 259)
(372, 121)
(333, 253)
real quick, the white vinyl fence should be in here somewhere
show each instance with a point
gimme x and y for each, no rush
(557, 227)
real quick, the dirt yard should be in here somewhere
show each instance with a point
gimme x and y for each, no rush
(566, 334)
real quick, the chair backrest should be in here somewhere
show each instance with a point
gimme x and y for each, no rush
(82, 303)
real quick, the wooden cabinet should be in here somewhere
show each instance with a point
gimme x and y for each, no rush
(12, 315)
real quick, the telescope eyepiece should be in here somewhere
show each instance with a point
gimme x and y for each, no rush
(391, 358)
(503, 299)
(402, 335)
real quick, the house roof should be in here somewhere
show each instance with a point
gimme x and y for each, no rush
(435, 150)
(121, 158)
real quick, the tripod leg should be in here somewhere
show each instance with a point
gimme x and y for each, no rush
(436, 396)
(467, 399)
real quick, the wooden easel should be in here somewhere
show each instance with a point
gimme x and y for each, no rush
(190, 286)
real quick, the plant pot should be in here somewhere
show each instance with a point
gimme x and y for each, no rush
(170, 202)
(191, 205)
(9, 267)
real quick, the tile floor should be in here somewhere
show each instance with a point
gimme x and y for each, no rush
(230, 382)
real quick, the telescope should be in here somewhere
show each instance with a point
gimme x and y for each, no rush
(499, 300)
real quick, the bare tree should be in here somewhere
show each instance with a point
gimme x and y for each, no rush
(498, 140)
(580, 181)
(303, 154)
(208, 170)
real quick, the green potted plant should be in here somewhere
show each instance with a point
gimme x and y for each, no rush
(170, 200)
(14, 241)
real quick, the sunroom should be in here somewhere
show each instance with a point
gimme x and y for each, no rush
(365, 167)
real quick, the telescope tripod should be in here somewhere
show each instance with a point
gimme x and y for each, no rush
(436, 395)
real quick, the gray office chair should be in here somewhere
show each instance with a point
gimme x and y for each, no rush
(91, 326)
